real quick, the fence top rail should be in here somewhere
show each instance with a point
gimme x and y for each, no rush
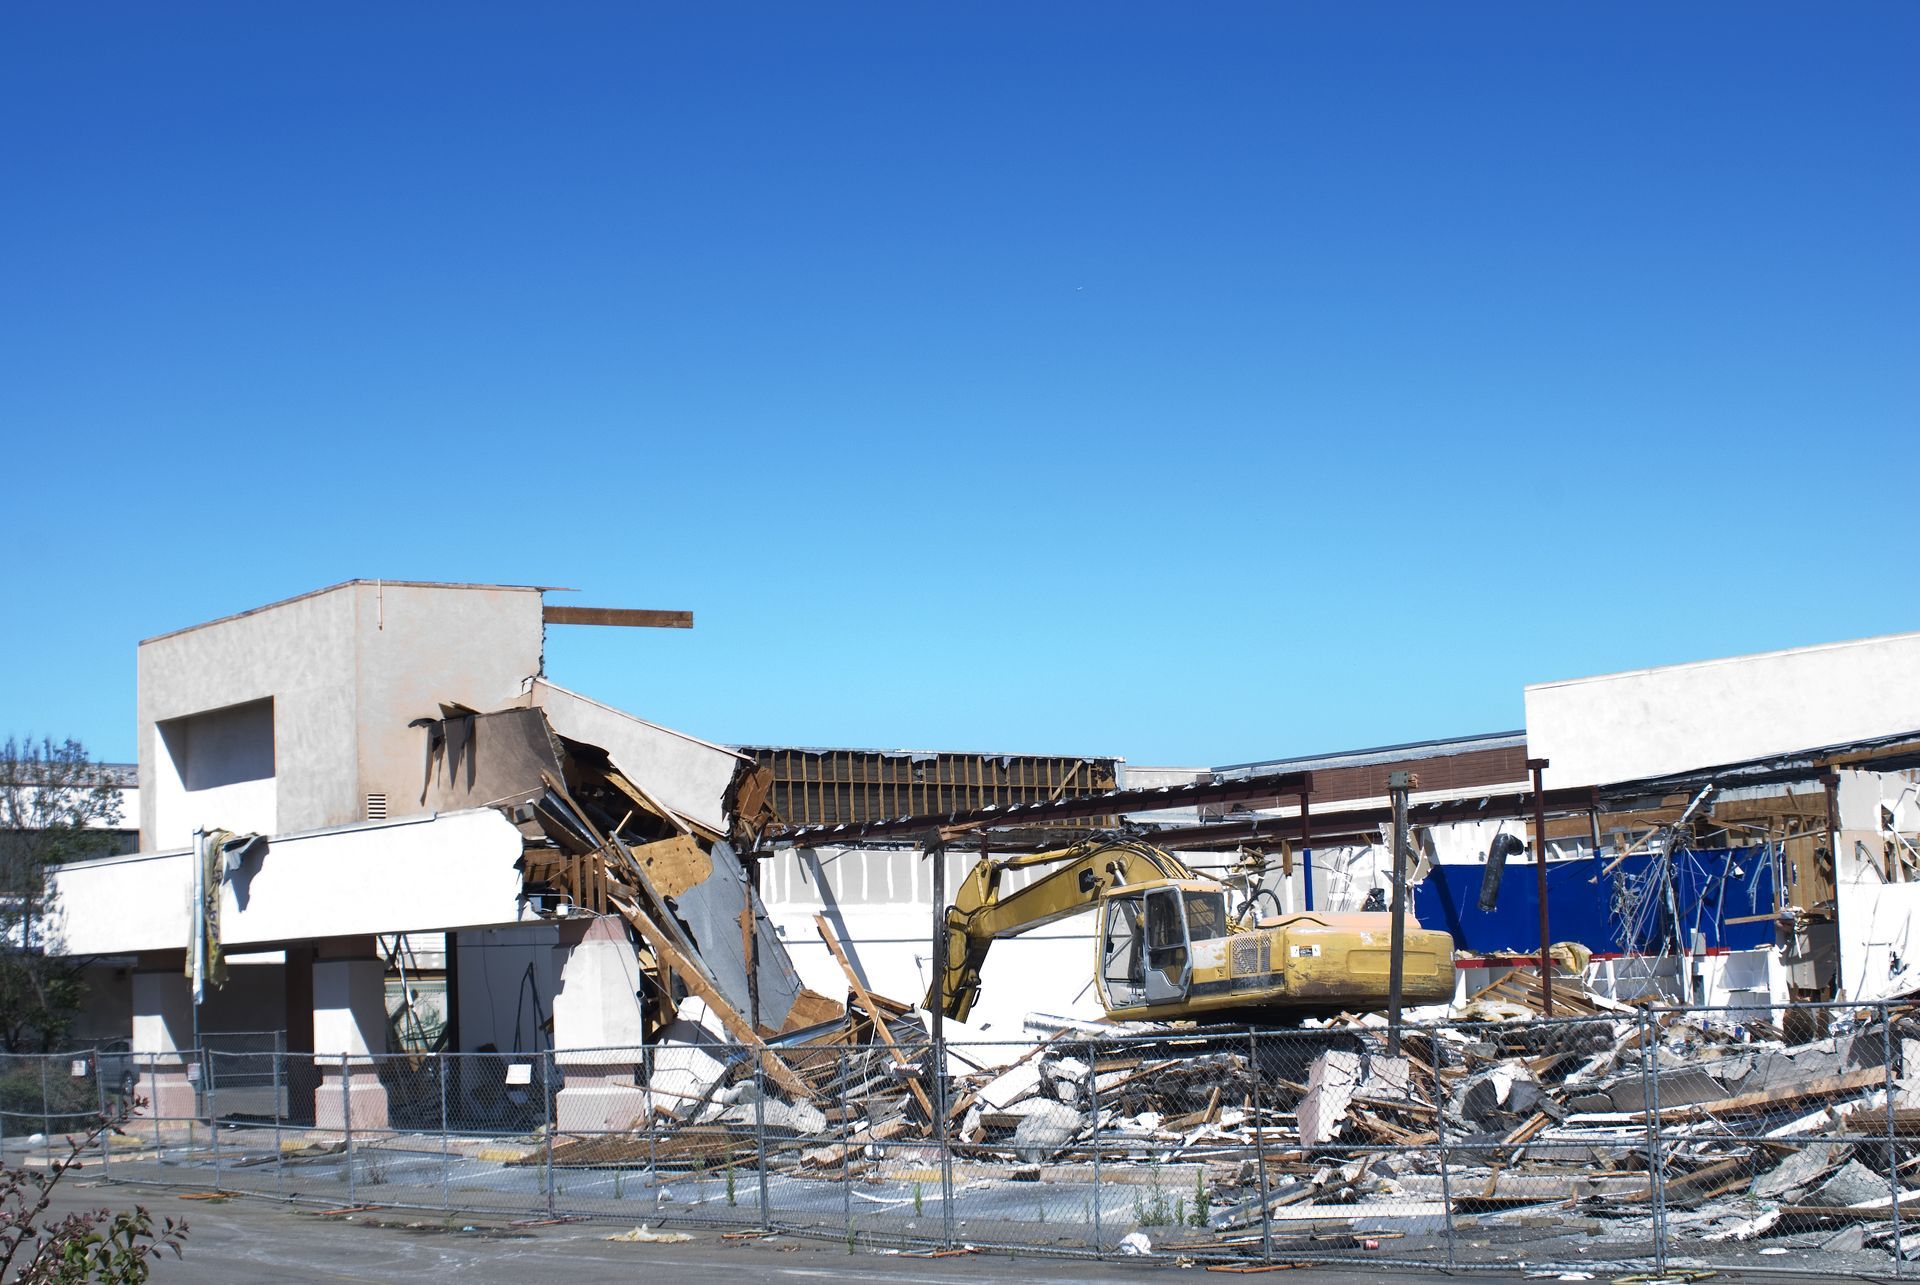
(1372, 1025)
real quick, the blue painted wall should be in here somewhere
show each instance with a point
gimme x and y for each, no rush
(1593, 908)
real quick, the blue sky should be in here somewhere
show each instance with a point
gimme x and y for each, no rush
(1196, 384)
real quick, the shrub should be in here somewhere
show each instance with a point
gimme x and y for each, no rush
(112, 1246)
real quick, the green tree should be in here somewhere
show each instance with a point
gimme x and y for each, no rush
(56, 805)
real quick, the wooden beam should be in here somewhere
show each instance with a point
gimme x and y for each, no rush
(865, 999)
(695, 980)
(648, 803)
(1828, 1086)
(617, 616)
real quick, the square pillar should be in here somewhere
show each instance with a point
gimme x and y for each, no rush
(350, 1022)
(597, 1030)
(299, 1076)
(163, 1043)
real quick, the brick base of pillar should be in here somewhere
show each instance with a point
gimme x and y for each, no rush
(599, 1097)
(363, 1101)
(169, 1094)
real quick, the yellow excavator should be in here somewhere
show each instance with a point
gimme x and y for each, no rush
(1169, 948)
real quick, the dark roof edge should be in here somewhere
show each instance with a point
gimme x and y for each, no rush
(1382, 753)
(348, 584)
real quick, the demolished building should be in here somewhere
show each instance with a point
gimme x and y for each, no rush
(374, 715)
(696, 937)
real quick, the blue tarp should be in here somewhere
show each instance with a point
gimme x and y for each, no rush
(1624, 912)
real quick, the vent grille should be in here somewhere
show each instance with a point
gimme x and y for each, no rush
(376, 807)
(1252, 953)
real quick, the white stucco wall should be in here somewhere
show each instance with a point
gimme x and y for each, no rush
(420, 875)
(417, 646)
(346, 668)
(1879, 940)
(880, 904)
(214, 770)
(349, 1007)
(298, 653)
(687, 774)
(1649, 722)
(596, 1004)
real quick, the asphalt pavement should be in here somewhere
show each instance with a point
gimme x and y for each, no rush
(241, 1240)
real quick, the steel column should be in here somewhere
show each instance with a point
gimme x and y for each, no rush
(1537, 766)
(1398, 784)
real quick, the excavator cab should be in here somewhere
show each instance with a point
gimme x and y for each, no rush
(1147, 938)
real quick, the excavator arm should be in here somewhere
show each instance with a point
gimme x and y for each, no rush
(980, 914)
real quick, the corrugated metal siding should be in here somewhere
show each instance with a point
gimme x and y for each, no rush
(1446, 772)
(831, 787)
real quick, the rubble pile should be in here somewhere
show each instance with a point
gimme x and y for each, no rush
(1610, 1126)
(1325, 1139)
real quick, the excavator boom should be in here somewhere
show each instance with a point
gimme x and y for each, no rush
(981, 913)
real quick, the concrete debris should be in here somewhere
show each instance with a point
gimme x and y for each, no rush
(1043, 1128)
(1762, 1141)
(1232, 1147)
(1331, 1082)
(687, 1062)
(1797, 1174)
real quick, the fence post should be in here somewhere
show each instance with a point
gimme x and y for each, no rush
(212, 1090)
(1439, 1048)
(846, 1153)
(346, 1125)
(940, 1136)
(653, 1132)
(1656, 1164)
(194, 1069)
(279, 1109)
(153, 1105)
(1893, 1159)
(546, 1110)
(444, 1061)
(46, 1112)
(760, 1140)
(106, 1123)
(1093, 1107)
(1259, 1145)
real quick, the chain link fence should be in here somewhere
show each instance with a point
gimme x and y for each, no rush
(1628, 1141)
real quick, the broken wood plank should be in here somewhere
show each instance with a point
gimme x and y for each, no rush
(1826, 1086)
(1205, 1115)
(865, 999)
(622, 617)
(647, 802)
(1854, 1213)
(1700, 1185)
(674, 865)
(694, 977)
